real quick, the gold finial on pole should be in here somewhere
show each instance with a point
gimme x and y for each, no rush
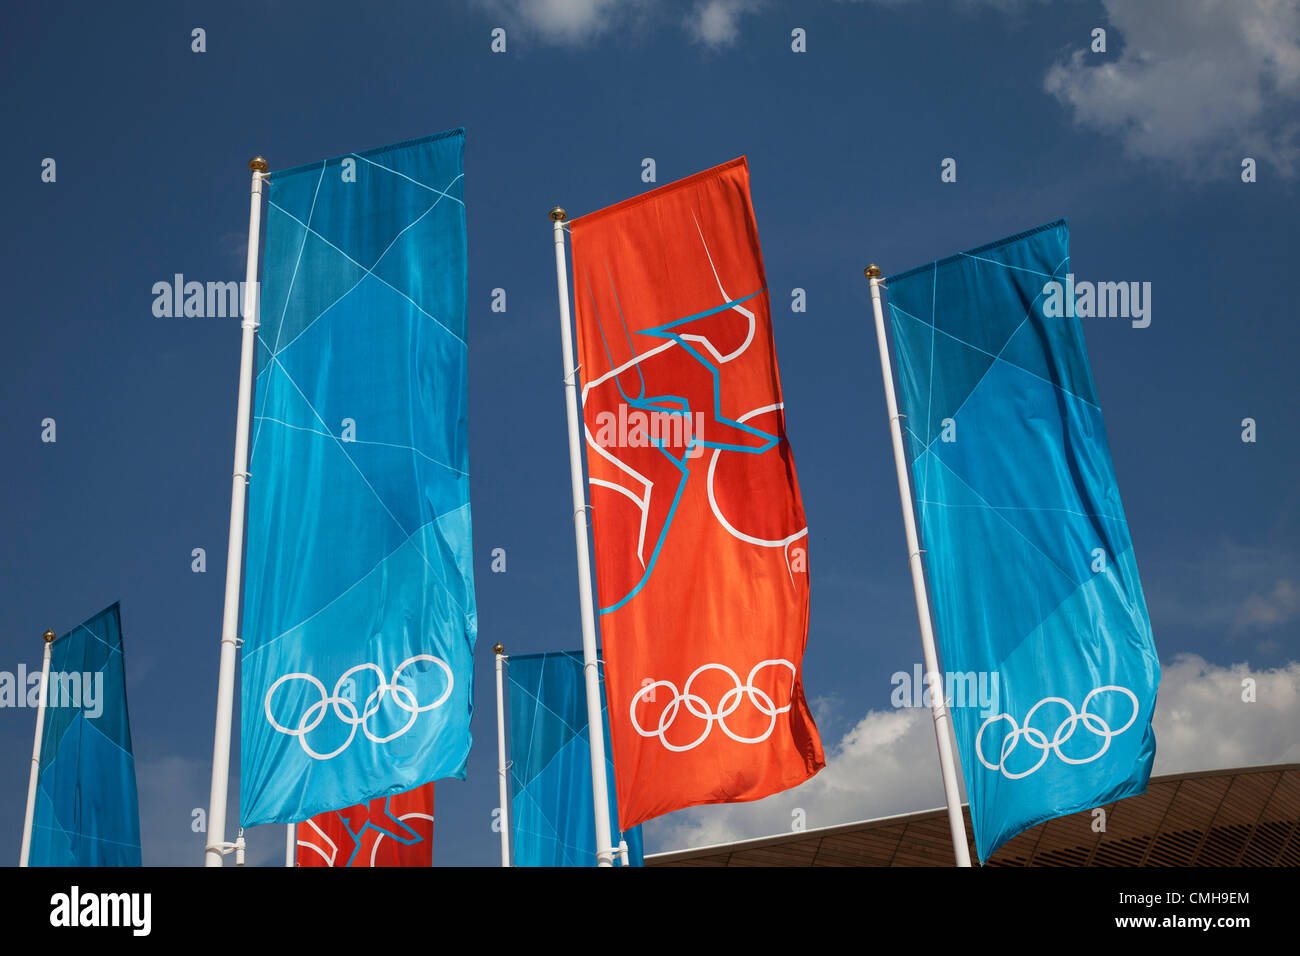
(257, 164)
(872, 271)
(48, 637)
(558, 214)
(498, 649)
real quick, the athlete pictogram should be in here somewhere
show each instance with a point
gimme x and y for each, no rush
(655, 483)
(387, 831)
(700, 553)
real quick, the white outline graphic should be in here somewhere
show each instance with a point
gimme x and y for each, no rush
(413, 815)
(726, 707)
(403, 696)
(642, 500)
(334, 849)
(333, 853)
(1038, 739)
(782, 543)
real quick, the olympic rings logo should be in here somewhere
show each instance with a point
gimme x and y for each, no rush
(698, 707)
(1038, 740)
(346, 710)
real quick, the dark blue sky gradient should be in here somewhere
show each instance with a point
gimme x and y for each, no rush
(844, 145)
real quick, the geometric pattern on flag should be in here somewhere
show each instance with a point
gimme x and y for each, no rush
(87, 811)
(359, 518)
(1027, 549)
(550, 768)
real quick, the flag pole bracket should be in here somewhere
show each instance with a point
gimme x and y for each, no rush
(225, 849)
(619, 852)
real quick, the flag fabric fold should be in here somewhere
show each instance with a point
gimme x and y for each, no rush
(552, 809)
(87, 810)
(701, 547)
(1031, 567)
(396, 830)
(359, 611)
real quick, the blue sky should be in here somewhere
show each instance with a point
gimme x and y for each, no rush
(1139, 147)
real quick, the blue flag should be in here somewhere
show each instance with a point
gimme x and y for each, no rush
(550, 765)
(87, 812)
(359, 613)
(1032, 570)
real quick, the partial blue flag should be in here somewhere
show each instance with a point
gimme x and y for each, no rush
(553, 813)
(87, 812)
(359, 612)
(1032, 571)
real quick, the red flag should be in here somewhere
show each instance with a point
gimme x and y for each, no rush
(387, 831)
(701, 548)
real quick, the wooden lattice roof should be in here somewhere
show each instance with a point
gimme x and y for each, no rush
(1246, 817)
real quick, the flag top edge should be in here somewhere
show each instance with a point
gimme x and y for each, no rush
(988, 246)
(525, 657)
(659, 191)
(115, 606)
(373, 151)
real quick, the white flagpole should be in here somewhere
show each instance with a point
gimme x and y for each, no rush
(216, 844)
(290, 843)
(599, 788)
(938, 706)
(500, 652)
(25, 853)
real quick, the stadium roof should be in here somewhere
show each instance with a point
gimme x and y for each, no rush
(1245, 817)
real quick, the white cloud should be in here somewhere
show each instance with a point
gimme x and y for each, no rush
(1245, 592)
(712, 23)
(887, 763)
(1202, 723)
(1198, 85)
(565, 21)
(716, 23)
(1269, 608)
